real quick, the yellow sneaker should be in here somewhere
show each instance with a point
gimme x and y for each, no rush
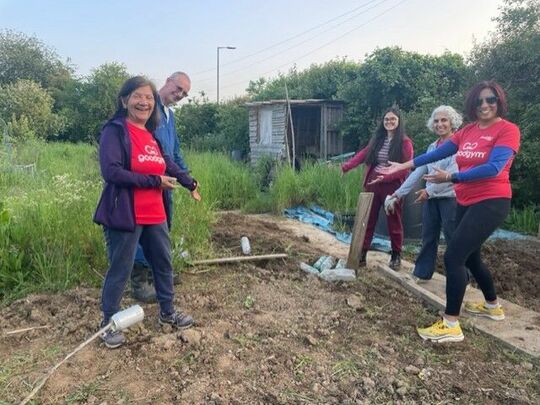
(480, 309)
(440, 332)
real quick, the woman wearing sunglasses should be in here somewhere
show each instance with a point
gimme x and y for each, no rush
(484, 150)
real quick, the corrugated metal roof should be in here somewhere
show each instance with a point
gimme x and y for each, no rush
(294, 102)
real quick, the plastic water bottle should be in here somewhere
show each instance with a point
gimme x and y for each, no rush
(341, 264)
(309, 269)
(244, 243)
(328, 263)
(338, 275)
(319, 262)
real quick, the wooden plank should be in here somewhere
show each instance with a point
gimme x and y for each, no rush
(240, 259)
(289, 112)
(359, 231)
(519, 331)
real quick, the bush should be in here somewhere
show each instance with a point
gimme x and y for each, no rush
(205, 126)
(28, 110)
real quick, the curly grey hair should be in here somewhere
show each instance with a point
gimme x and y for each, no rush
(455, 118)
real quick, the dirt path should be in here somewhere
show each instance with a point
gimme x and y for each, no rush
(266, 333)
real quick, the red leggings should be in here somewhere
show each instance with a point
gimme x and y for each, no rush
(395, 227)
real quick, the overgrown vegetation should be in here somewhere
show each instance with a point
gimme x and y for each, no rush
(49, 190)
(49, 243)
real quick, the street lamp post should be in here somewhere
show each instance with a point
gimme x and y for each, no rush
(218, 48)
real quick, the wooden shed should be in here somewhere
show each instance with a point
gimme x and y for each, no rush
(315, 125)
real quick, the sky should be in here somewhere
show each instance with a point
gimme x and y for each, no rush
(158, 37)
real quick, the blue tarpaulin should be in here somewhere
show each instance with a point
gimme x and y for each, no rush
(324, 220)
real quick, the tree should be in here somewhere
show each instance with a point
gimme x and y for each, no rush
(24, 57)
(197, 123)
(233, 124)
(512, 57)
(91, 102)
(28, 110)
(318, 81)
(414, 82)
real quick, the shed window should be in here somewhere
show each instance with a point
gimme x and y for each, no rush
(265, 126)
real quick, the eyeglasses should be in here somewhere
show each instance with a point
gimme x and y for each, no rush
(490, 100)
(180, 90)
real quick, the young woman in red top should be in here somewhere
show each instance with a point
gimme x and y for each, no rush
(388, 143)
(484, 153)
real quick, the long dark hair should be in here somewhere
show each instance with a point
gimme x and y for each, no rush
(473, 94)
(395, 154)
(129, 86)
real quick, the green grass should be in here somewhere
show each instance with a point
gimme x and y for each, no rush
(346, 367)
(48, 241)
(301, 362)
(316, 184)
(524, 220)
(83, 393)
(224, 184)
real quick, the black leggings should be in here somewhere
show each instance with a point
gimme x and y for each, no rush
(474, 224)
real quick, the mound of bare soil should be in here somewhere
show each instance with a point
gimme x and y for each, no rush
(515, 265)
(266, 333)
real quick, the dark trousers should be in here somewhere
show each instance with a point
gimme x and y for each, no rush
(437, 213)
(395, 227)
(474, 224)
(121, 247)
(139, 255)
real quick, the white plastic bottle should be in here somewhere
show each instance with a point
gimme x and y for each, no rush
(246, 248)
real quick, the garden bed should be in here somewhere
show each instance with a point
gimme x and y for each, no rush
(266, 333)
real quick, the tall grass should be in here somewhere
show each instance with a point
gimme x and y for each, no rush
(48, 241)
(223, 183)
(525, 220)
(319, 184)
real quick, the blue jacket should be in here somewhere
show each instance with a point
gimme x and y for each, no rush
(116, 206)
(166, 135)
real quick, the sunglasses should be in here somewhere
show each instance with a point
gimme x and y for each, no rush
(490, 100)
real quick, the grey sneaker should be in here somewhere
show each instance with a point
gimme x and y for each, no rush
(113, 339)
(177, 319)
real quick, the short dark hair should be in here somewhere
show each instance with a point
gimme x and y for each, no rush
(474, 93)
(129, 86)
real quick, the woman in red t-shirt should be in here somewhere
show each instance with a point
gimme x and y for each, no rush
(484, 150)
(132, 207)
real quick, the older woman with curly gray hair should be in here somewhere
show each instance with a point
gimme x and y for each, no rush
(439, 199)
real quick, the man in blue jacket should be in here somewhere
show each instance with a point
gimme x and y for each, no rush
(176, 87)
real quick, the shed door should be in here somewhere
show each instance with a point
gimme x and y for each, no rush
(265, 126)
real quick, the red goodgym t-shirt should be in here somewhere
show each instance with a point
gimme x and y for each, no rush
(474, 147)
(146, 159)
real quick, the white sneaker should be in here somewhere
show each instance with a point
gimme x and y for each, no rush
(419, 280)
